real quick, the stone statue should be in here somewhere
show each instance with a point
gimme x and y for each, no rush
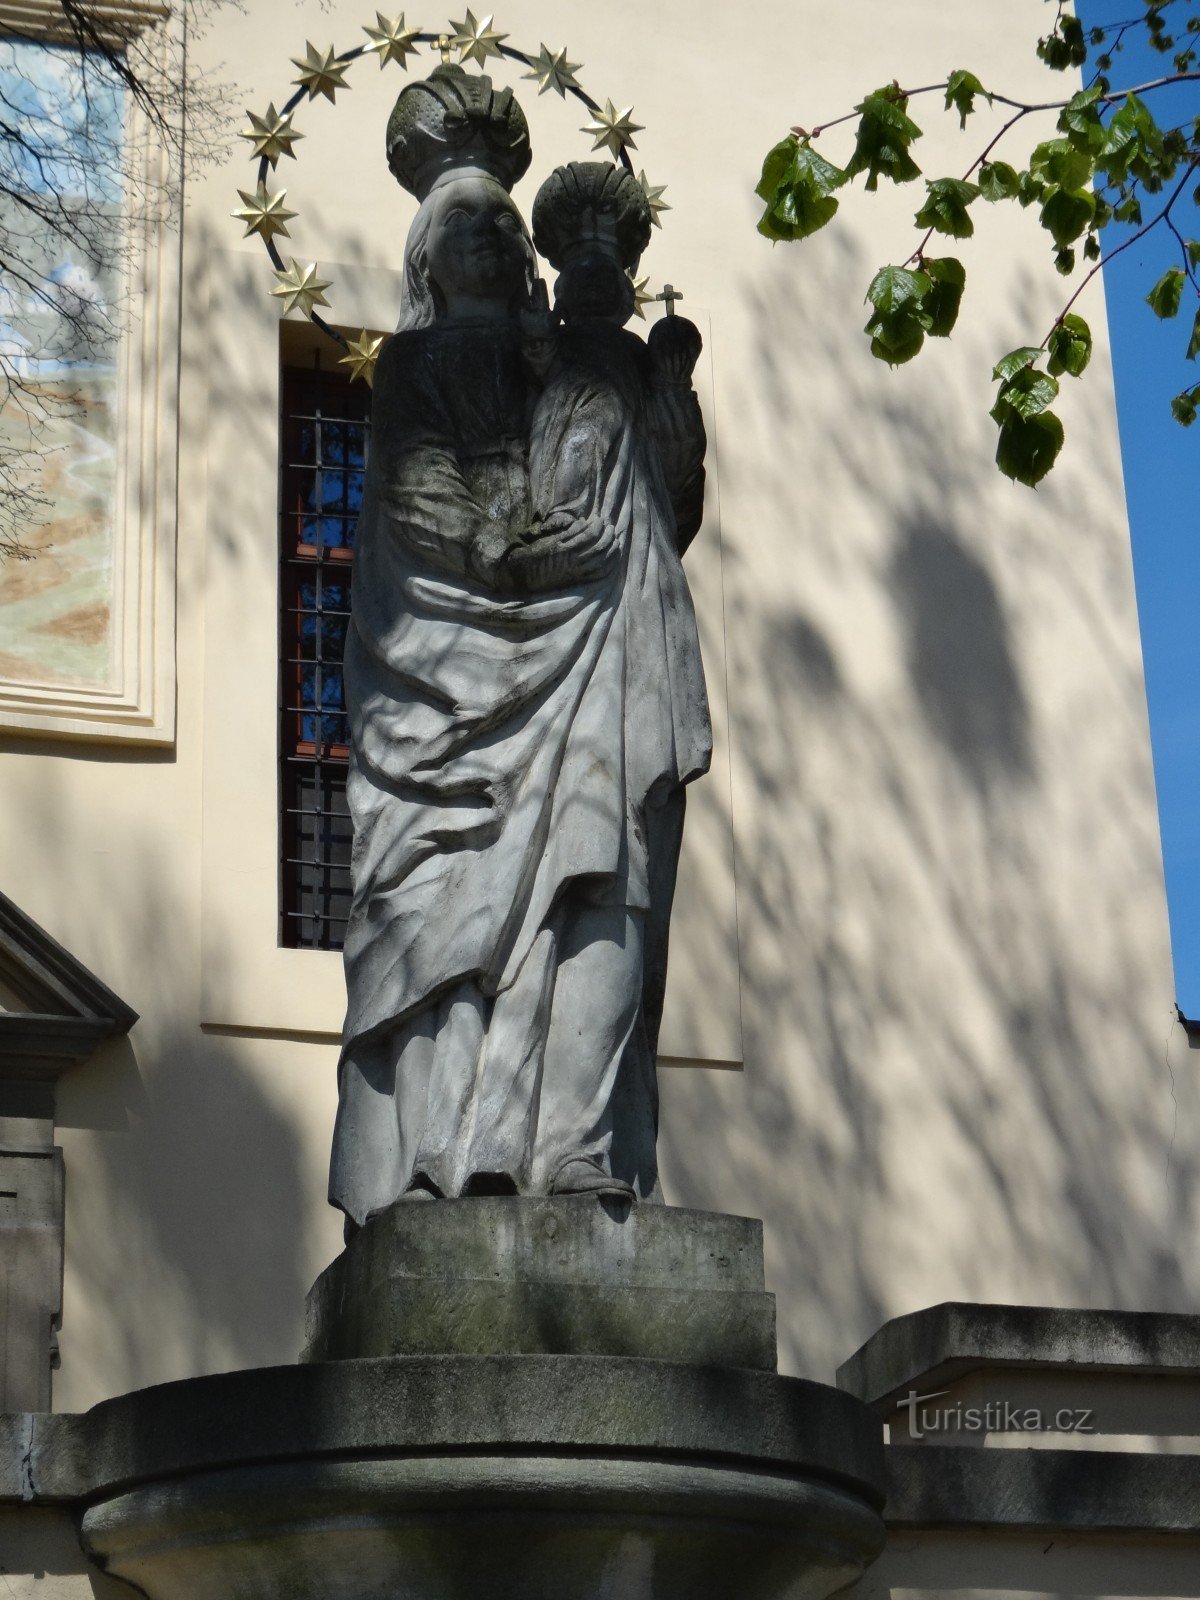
(524, 685)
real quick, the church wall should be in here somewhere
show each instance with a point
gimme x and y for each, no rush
(955, 1072)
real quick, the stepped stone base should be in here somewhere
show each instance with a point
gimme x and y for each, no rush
(565, 1399)
(576, 1276)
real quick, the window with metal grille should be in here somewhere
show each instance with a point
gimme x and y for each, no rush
(324, 430)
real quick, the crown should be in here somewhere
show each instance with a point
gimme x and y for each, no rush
(456, 119)
(590, 199)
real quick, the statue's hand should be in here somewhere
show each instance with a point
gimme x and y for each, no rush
(487, 560)
(564, 549)
(675, 346)
(539, 332)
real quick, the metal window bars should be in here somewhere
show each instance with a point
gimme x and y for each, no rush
(324, 430)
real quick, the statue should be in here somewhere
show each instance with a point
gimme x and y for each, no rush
(524, 685)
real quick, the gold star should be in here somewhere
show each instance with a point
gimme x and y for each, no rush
(612, 129)
(272, 136)
(654, 198)
(553, 72)
(320, 74)
(392, 39)
(264, 213)
(300, 289)
(476, 41)
(361, 355)
(640, 297)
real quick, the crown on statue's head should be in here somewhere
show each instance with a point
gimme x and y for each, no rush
(591, 199)
(456, 119)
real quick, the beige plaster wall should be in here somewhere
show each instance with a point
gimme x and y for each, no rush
(960, 1077)
(989, 1566)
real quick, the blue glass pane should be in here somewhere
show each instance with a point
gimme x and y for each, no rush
(333, 444)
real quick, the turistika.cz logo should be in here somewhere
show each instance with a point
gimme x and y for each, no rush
(997, 1416)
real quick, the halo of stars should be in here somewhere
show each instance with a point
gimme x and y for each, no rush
(322, 73)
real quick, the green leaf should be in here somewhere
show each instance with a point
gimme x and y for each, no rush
(895, 340)
(960, 93)
(1070, 346)
(948, 278)
(1029, 189)
(776, 166)
(1193, 349)
(885, 132)
(1135, 145)
(1059, 162)
(801, 200)
(1184, 406)
(806, 211)
(1081, 121)
(998, 181)
(1023, 356)
(778, 232)
(945, 208)
(1064, 261)
(1164, 299)
(1193, 252)
(899, 323)
(811, 169)
(1026, 394)
(895, 287)
(1028, 446)
(1065, 214)
(1134, 141)
(1066, 46)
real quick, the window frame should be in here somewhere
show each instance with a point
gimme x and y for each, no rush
(137, 704)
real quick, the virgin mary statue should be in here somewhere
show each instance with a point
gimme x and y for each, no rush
(526, 701)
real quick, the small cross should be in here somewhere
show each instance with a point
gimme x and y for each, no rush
(444, 45)
(670, 295)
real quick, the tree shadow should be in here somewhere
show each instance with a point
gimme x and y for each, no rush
(955, 976)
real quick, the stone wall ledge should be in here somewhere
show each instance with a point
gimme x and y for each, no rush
(948, 1487)
(934, 1347)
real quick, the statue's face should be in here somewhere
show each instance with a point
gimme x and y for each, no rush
(476, 242)
(593, 281)
(593, 284)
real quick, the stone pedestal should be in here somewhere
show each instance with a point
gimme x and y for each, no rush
(554, 1277)
(623, 1438)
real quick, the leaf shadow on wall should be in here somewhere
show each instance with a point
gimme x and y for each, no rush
(954, 984)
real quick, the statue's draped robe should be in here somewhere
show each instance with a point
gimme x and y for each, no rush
(507, 749)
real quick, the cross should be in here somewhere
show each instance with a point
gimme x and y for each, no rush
(443, 44)
(670, 295)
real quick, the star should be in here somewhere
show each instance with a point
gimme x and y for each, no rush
(553, 72)
(476, 41)
(361, 355)
(392, 39)
(300, 289)
(612, 129)
(640, 297)
(264, 213)
(320, 74)
(272, 136)
(654, 198)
